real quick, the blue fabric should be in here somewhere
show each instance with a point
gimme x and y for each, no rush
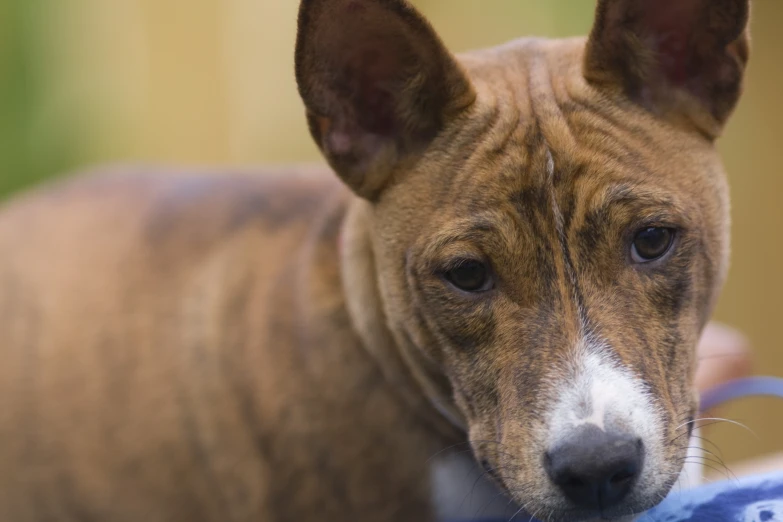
(753, 499)
(759, 386)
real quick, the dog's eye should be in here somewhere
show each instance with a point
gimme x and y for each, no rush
(651, 244)
(470, 276)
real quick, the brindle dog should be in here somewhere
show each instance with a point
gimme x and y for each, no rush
(525, 246)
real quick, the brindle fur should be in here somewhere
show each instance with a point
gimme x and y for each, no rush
(274, 346)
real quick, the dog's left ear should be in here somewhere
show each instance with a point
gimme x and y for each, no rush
(378, 86)
(680, 59)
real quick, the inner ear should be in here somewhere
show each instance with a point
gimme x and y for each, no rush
(679, 58)
(377, 83)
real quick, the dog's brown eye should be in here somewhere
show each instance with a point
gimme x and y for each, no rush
(651, 244)
(470, 276)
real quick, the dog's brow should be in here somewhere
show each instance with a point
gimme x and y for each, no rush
(629, 194)
(471, 229)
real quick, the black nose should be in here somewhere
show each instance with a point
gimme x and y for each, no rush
(594, 469)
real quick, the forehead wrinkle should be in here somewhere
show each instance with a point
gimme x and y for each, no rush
(471, 230)
(644, 203)
(469, 147)
(634, 193)
(528, 112)
(505, 87)
(539, 210)
(489, 156)
(552, 128)
(546, 148)
(548, 112)
(568, 265)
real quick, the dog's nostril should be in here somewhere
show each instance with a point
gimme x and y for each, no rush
(594, 469)
(622, 476)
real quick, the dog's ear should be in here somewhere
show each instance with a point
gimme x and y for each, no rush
(681, 59)
(378, 86)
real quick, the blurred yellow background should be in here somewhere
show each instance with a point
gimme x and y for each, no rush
(211, 82)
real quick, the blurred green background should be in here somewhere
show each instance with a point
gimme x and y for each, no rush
(85, 82)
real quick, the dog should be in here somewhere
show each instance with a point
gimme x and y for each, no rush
(510, 257)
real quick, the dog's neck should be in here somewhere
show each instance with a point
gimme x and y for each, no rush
(413, 376)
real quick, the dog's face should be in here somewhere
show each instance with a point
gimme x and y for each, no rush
(550, 226)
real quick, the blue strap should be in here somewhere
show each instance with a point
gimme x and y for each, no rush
(742, 388)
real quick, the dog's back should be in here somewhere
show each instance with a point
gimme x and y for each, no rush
(131, 306)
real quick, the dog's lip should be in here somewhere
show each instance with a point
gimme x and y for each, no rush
(583, 516)
(625, 512)
(622, 513)
(628, 511)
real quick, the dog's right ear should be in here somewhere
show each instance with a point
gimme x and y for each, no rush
(378, 86)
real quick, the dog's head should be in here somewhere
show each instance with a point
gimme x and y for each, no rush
(549, 224)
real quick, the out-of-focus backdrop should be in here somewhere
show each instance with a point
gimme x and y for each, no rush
(84, 82)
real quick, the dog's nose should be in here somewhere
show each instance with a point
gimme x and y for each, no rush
(595, 469)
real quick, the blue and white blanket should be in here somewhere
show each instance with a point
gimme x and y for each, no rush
(753, 499)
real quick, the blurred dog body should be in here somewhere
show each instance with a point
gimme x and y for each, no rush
(516, 257)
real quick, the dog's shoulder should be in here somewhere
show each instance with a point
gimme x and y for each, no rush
(160, 207)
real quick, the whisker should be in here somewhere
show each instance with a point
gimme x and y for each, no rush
(713, 468)
(684, 433)
(713, 422)
(719, 462)
(731, 421)
(462, 444)
(718, 459)
(705, 439)
(520, 510)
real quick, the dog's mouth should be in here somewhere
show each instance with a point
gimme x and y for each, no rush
(593, 442)
(529, 512)
(543, 500)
